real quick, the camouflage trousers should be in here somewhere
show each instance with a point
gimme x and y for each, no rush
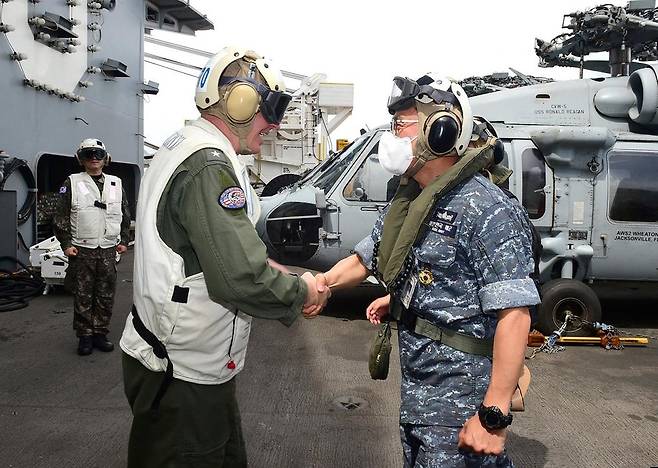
(436, 446)
(92, 280)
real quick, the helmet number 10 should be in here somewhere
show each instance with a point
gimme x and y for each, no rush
(203, 78)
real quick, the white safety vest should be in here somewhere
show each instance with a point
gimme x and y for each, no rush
(206, 341)
(95, 216)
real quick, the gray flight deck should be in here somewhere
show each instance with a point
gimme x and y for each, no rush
(307, 399)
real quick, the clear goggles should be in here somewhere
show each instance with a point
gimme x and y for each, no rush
(402, 95)
(405, 90)
(273, 104)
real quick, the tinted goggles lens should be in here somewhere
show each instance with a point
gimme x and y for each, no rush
(92, 153)
(274, 105)
(402, 95)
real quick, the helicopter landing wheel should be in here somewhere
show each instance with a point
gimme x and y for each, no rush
(563, 296)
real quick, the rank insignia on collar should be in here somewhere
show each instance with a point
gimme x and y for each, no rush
(425, 277)
(233, 198)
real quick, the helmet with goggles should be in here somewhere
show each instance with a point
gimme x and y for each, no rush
(444, 112)
(91, 148)
(243, 92)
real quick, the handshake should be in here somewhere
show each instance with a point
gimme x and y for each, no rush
(317, 295)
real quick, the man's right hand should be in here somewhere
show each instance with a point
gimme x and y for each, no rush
(477, 439)
(316, 296)
(321, 282)
(71, 251)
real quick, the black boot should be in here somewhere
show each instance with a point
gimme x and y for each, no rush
(85, 346)
(102, 343)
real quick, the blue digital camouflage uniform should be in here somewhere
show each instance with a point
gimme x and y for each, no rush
(478, 249)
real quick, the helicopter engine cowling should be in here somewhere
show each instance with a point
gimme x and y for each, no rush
(644, 85)
(637, 101)
(614, 101)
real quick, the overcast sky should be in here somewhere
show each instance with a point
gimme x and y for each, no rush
(365, 43)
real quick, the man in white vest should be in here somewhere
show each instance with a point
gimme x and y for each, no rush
(92, 224)
(201, 273)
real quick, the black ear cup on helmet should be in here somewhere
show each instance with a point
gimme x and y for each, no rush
(443, 133)
(498, 151)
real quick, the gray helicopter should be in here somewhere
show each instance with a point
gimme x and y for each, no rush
(585, 159)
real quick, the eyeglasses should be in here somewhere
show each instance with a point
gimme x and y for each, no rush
(398, 124)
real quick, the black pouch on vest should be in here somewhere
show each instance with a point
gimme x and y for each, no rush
(380, 352)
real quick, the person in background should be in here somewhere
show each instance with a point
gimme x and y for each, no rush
(92, 224)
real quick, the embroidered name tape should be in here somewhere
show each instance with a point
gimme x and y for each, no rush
(444, 229)
(233, 198)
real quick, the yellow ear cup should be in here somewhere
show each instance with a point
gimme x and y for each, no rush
(242, 101)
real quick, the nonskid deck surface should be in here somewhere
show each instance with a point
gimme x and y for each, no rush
(307, 399)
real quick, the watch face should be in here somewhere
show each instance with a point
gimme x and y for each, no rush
(492, 419)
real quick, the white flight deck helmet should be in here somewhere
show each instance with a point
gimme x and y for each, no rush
(445, 118)
(92, 148)
(235, 85)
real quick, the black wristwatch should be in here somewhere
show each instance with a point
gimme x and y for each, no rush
(492, 417)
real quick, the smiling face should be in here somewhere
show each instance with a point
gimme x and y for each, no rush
(259, 128)
(253, 140)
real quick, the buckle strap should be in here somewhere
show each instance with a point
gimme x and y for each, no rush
(459, 341)
(160, 351)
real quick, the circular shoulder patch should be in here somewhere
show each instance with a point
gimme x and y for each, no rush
(233, 198)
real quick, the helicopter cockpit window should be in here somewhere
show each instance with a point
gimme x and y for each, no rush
(534, 181)
(633, 189)
(370, 182)
(327, 176)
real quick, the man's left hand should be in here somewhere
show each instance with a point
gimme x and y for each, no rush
(475, 438)
(121, 248)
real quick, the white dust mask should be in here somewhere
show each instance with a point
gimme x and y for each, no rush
(395, 153)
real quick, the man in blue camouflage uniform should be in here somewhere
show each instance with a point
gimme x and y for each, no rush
(467, 272)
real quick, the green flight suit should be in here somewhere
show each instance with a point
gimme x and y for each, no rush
(199, 425)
